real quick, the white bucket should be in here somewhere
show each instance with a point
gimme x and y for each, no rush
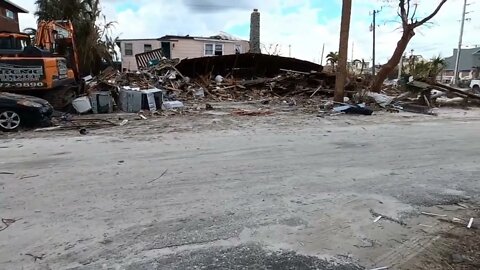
(82, 104)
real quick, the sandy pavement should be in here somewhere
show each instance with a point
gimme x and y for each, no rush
(223, 192)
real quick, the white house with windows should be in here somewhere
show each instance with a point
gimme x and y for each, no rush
(181, 47)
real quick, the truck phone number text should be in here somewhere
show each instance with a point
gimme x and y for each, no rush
(21, 84)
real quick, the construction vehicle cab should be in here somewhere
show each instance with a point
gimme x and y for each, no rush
(13, 42)
(46, 67)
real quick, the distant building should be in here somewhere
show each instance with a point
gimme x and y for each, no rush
(181, 47)
(468, 66)
(409, 62)
(359, 67)
(9, 16)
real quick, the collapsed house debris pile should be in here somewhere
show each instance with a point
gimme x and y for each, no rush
(421, 97)
(163, 84)
(167, 83)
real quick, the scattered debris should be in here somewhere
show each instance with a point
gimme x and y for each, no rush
(7, 222)
(82, 104)
(123, 123)
(354, 109)
(463, 205)
(29, 176)
(366, 243)
(8, 173)
(209, 107)
(164, 172)
(375, 214)
(458, 220)
(381, 99)
(380, 268)
(172, 105)
(423, 225)
(251, 113)
(470, 223)
(47, 129)
(83, 131)
(433, 214)
(377, 219)
(35, 258)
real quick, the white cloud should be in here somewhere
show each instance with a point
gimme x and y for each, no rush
(300, 28)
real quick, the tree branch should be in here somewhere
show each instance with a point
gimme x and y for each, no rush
(429, 17)
(403, 13)
(414, 13)
(408, 9)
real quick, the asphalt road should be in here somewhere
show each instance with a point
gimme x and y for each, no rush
(264, 197)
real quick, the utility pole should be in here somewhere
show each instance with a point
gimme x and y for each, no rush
(412, 61)
(353, 50)
(374, 27)
(323, 52)
(460, 41)
(289, 50)
(343, 51)
(400, 66)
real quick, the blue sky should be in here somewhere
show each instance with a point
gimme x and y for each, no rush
(305, 25)
(124, 6)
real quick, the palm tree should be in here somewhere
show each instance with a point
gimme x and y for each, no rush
(437, 65)
(93, 39)
(332, 57)
(356, 61)
(428, 70)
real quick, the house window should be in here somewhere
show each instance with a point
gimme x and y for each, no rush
(147, 47)
(218, 49)
(10, 14)
(213, 49)
(238, 48)
(208, 49)
(128, 49)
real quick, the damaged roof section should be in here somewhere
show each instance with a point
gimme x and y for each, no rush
(244, 65)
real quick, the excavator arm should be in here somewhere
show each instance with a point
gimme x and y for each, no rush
(58, 37)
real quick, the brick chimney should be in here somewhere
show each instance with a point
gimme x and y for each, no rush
(255, 32)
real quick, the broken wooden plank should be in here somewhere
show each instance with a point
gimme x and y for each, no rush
(314, 93)
(294, 71)
(254, 82)
(470, 223)
(433, 214)
(171, 88)
(456, 91)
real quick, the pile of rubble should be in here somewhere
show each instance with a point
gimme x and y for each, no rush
(421, 97)
(168, 83)
(163, 85)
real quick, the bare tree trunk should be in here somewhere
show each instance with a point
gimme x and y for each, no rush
(389, 67)
(343, 51)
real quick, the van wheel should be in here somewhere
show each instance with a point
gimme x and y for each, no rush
(9, 120)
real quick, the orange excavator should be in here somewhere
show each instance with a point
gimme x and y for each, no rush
(45, 66)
